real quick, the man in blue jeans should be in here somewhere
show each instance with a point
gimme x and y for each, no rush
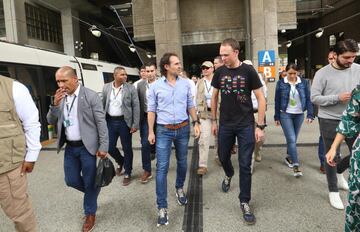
(235, 80)
(121, 104)
(142, 89)
(171, 101)
(80, 120)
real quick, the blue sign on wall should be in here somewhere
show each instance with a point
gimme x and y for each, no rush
(266, 58)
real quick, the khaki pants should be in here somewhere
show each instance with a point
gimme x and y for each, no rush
(204, 142)
(15, 201)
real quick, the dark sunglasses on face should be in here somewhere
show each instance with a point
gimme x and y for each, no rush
(204, 67)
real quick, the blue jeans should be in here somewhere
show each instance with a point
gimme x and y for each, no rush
(164, 139)
(145, 145)
(80, 172)
(246, 143)
(118, 128)
(291, 124)
(321, 151)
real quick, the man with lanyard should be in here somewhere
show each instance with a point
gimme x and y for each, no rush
(121, 104)
(203, 100)
(170, 100)
(235, 82)
(80, 120)
(142, 89)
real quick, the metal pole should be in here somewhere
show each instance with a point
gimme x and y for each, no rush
(126, 32)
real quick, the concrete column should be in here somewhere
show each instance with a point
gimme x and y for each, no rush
(264, 23)
(167, 28)
(70, 30)
(15, 21)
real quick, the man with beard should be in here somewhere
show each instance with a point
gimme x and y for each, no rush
(331, 91)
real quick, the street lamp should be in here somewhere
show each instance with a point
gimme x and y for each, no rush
(95, 31)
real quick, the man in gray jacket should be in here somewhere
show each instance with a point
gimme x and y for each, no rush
(80, 120)
(121, 104)
(331, 91)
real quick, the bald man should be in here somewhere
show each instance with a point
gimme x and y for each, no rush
(81, 124)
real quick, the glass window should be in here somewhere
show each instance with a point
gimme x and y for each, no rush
(43, 24)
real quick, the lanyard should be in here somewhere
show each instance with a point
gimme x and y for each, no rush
(292, 92)
(206, 86)
(116, 94)
(71, 106)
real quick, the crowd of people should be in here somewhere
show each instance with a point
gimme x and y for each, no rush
(161, 108)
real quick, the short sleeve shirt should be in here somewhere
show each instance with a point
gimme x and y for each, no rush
(235, 86)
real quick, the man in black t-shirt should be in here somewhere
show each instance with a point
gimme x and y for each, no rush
(235, 81)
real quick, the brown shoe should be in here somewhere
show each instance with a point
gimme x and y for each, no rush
(89, 223)
(127, 180)
(119, 170)
(233, 149)
(145, 177)
(202, 171)
(322, 169)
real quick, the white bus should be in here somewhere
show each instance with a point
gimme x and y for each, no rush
(36, 68)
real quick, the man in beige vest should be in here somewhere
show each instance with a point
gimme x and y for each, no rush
(203, 101)
(19, 149)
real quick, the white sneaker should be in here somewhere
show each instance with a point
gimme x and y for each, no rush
(342, 183)
(335, 200)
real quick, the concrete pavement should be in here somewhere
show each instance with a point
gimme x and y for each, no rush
(280, 201)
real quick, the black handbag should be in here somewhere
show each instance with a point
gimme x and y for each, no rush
(105, 172)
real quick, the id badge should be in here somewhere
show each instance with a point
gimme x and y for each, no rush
(116, 103)
(67, 123)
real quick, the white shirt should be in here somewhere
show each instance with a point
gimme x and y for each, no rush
(193, 90)
(208, 92)
(264, 90)
(294, 105)
(115, 102)
(29, 116)
(71, 113)
(137, 82)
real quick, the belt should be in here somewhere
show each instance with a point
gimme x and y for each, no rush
(108, 116)
(175, 126)
(78, 143)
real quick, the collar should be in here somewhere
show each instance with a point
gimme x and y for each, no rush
(77, 91)
(298, 80)
(113, 87)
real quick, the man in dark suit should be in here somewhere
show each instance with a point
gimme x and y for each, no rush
(121, 104)
(81, 124)
(142, 89)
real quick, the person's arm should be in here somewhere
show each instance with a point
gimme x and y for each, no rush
(151, 112)
(29, 117)
(260, 133)
(151, 122)
(330, 155)
(214, 105)
(101, 125)
(135, 109)
(317, 89)
(277, 103)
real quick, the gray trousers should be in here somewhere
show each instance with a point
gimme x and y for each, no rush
(328, 133)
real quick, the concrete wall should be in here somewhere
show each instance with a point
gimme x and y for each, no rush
(143, 20)
(286, 14)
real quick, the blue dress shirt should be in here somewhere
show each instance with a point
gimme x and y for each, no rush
(170, 103)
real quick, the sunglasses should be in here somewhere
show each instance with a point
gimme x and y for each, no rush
(204, 67)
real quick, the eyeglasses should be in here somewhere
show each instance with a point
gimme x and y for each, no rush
(204, 67)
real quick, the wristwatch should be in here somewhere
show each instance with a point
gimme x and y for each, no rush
(261, 127)
(196, 121)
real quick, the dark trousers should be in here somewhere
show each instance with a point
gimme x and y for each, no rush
(145, 145)
(118, 128)
(80, 172)
(246, 143)
(328, 133)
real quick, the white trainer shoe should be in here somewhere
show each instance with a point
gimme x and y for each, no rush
(335, 200)
(342, 183)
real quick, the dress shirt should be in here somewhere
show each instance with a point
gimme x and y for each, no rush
(71, 104)
(29, 117)
(115, 101)
(170, 103)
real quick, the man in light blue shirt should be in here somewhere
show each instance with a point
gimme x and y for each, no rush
(170, 100)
